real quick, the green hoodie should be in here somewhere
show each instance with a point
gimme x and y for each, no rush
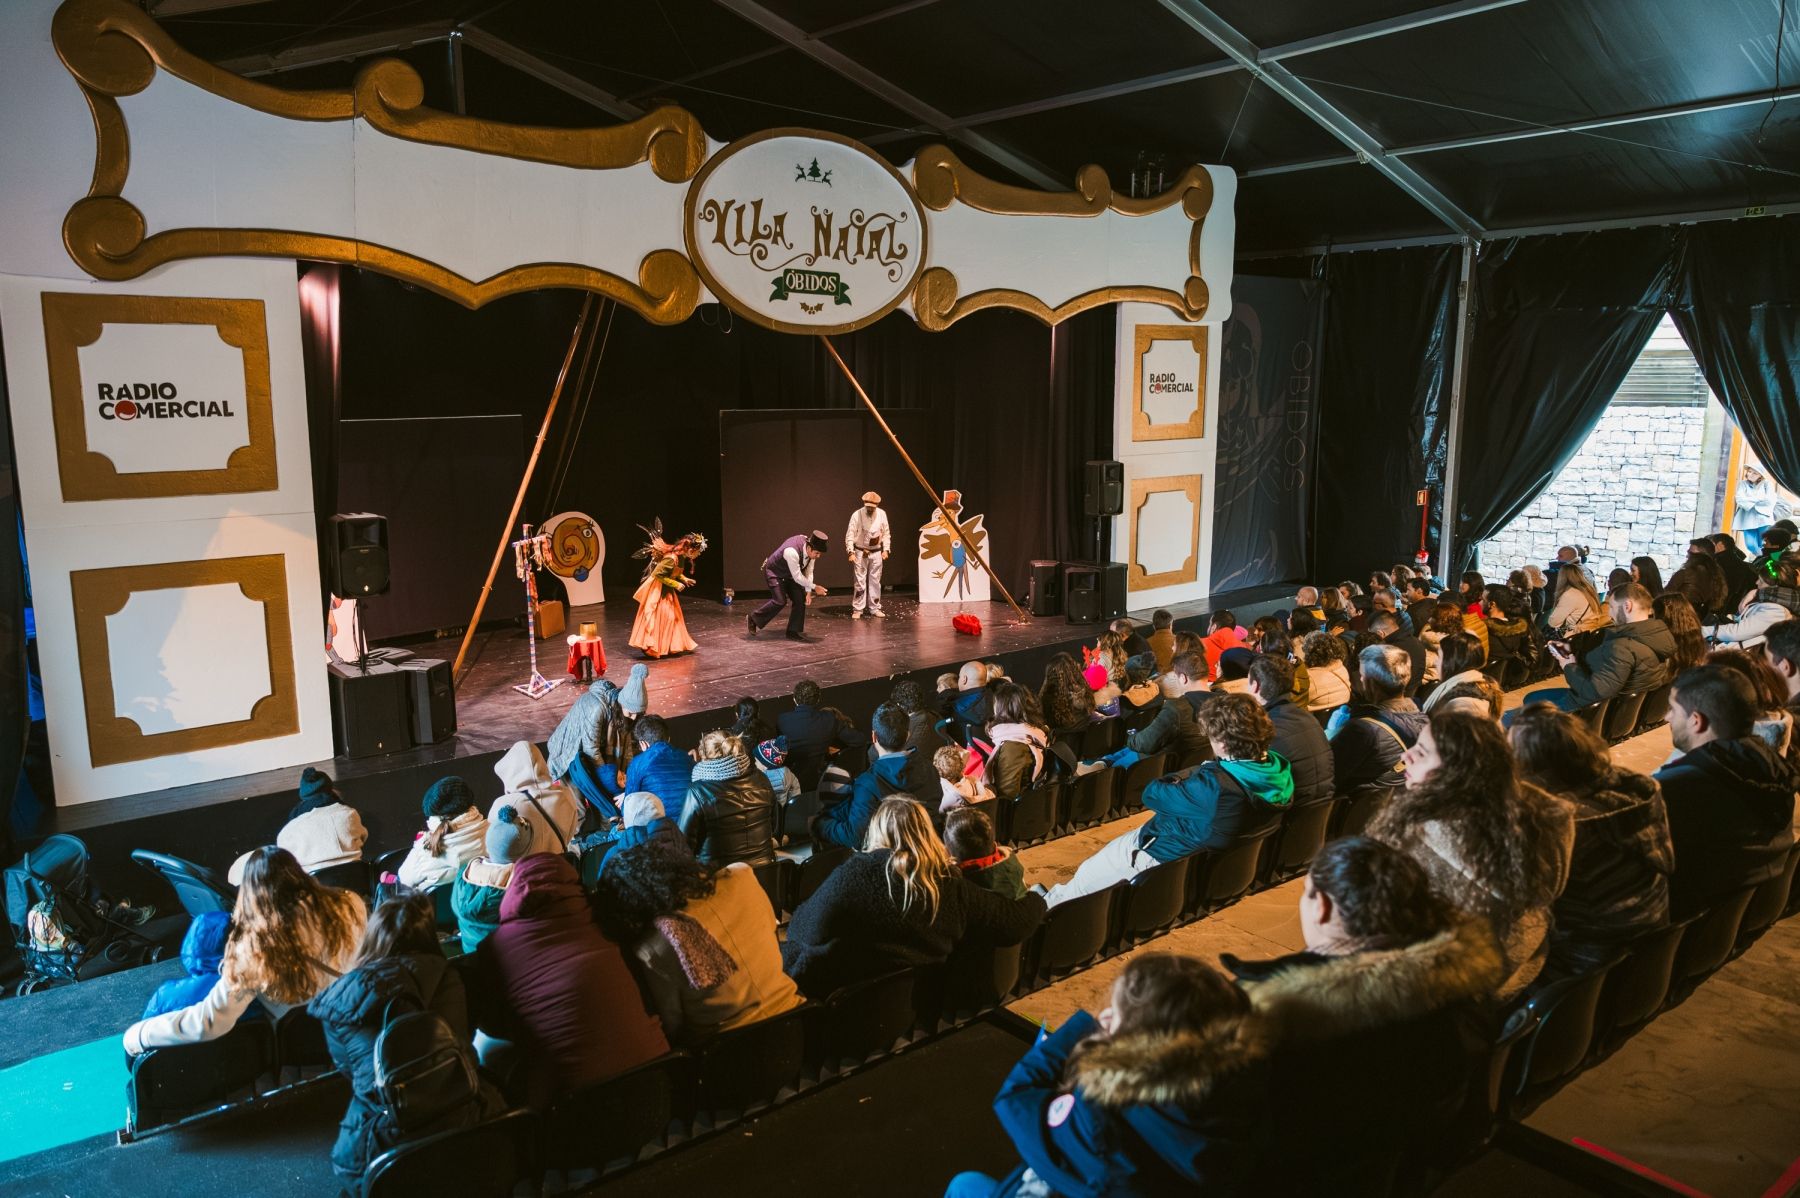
(1272, 781)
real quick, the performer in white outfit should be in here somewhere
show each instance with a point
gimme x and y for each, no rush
(867, 541)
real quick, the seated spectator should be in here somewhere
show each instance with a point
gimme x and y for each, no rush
(1677, 615)
(847, 823)
(1242, 791)
(1729, 796)
(399, 968)
(1162, 639)
(1298, 738)
(479, 889)
(1532, 586)
(1773, 548)
(1378, 727)
(1477, 696)
(1509, 634)
(969, 711)
(592, 746)
(1386, 628)
(1377, 1030)
(1701, 580)
(748, 724)
(730, 813)
(1140, 693)
(1421, 603)
(659, 766)
(1387, 603)
(1781, 649)
(702, 938)
(1740, 577)
(1267, 636)
(969, 839)
(771, 759)
(1134, 640)
(1619, 869)
(1185, 683)
(1496, 846)
(1629, 660)
(202, 952)
(922, 739)
(566, 997)
(1173, 729)
(644, 819)
(1575, 607)
(957, 787)
(1772, 721)
(1301, 623)
(1021, 757)
(901, 903)
(1774, 598)
(321, 831)
(454, 832)
(1459, 658)
(1163, 1093)
(1618, 576)
(1331, 605)
(946, 688)
(1222, 633)
(551, 806)
(1307, 599)
(290, 937)
(1446, 620)
(1065, 700)
(1324, 656)
(814, 732)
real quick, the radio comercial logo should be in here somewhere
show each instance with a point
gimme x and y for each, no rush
(155, 401)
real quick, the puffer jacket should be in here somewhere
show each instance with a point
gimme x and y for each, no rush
(202, 952)
(475, 898)
(319, 838)
(1021, 754)
(730, 812)
(1629, 660)
(1372, 1053)
(1620, 867)
(1753, 622)
(1144, 1113)
(1731, 817)
(1214, 806)
(462, 844)
(1300, 740)
(846, 822)
(355, 1009)
(1173, 731)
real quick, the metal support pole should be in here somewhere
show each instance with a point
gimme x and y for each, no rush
(937, 499)
(459, 96)
(1459, 375)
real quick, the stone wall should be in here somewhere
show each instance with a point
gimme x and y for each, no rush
(1632, 488)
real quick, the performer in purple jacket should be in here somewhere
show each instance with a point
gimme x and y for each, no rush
(789, 573)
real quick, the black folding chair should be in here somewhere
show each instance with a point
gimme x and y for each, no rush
(811, 873)
(483, 1161)
(611, 1122)
(1622, 715)
(1144, 771)
(1637, 986)
(1707, 943)
(1656, 707)
(1301, 835)
(1035, 814)
(168, 1084)
(1153, 901)
(1072, 934)
(748, 1068)
(1565, 1012)
(1767, 902)
(198, 889)
(866, 1020)
(1088, 800)
(1223, 877)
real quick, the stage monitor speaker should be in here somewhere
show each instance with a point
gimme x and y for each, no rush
(1103, 489)
(1112, 590)
(359, 559)
(369, 710)
(1044, 596)
(431, 700)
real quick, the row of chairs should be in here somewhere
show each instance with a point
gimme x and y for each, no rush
(1575, 1022)
(255, 1060)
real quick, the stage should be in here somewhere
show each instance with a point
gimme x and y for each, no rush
(854, 661)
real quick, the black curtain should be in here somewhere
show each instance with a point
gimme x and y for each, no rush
(1384, 374)
(320, 315)
(1012, 403)
(1738, 306)
(1558, 322)
(1268, 429)
(15, 717)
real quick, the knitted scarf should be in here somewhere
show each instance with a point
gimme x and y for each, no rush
(721, 769)
(703, 960)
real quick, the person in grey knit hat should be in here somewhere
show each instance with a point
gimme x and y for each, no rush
(634, 696)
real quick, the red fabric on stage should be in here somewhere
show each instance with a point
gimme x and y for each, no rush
(593, 651)
(966, 624)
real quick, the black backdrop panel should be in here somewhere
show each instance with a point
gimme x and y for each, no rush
(1268, 427)
(444, 485)
(784, 472)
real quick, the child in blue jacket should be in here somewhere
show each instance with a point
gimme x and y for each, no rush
(1159, 1096)
(202, 950)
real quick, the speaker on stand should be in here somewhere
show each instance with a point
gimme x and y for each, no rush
(1102, 495)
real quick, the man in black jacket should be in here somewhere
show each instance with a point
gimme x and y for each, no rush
(1372, 733)
(1629, 660)
(1730, 799)
(1386, 625)
(813, 733)
(1298, 736)
(922, 738)
(1421, 603)
(1740, 578)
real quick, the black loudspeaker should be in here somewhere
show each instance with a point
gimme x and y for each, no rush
(359, 561)
(1083, 606)
(1112, 590)
(1103, 489)
(431, 700)
(1044, 596)
(370, 711)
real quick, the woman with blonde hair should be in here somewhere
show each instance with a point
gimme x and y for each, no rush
(1577, 607)
(291, 936)
(730, 813)
(901, 902)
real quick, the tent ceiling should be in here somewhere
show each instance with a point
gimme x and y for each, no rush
(1455, 97)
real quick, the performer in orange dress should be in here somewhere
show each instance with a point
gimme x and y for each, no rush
(659, 629)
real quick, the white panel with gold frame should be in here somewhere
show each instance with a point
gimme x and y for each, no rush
(1168, 382)
(1163, 515)
(183, 653)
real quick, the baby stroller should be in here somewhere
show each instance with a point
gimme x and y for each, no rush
(63, 927)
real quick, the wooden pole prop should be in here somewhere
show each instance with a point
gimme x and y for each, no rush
(936, 499)
(506, 531)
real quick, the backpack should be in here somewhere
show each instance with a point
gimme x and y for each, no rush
(425, 1080)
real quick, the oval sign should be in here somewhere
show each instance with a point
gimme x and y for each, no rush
(804, 232)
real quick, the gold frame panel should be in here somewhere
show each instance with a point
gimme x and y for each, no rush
(1194, 427)
(73, 320)
(767, 321)
(1136, 577)
(114, 49)
(114, 739)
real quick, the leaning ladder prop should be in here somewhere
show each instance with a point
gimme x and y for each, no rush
(937, 500)
(506, 532)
